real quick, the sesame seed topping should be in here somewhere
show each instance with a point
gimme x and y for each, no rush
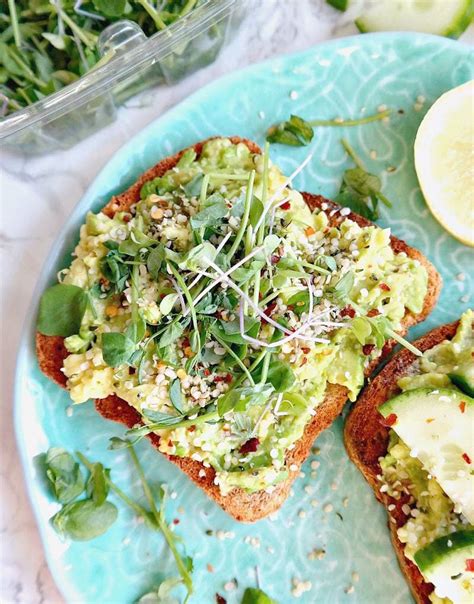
(230, 585)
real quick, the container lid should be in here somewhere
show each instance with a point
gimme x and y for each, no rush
(131, 50)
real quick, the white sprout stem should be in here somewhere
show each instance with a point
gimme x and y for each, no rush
(279, 191)
(250, 302)
(178, 291)
(265, 411)
(60, 17)
(86, 13)
(278, 403)
(223, 276)
(218, 249)
(294, 334)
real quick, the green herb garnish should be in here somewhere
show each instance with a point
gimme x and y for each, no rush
(162, 594)
(295, 132)
(61, 310)
(45, 46)
(360, 190)
(298, 132)
(78, 519)
(254, 595)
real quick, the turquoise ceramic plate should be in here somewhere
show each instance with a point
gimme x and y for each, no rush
(342, 78)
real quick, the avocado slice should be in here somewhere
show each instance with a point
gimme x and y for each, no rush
(444, 562)
(437, 425)
(463, 378)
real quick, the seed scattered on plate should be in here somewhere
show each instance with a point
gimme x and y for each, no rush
(230, 585)
(350, 589)
(316, 554)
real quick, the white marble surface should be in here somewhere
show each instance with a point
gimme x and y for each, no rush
(37, 194)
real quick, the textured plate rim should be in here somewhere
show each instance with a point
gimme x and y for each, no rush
(58, 248)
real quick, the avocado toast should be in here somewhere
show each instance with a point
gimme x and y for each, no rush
(216, 316)
(411, 435)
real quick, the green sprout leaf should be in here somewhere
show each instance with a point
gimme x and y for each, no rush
(279, 375)
(117, 348)
(295, 132)
(155, 261)
(253, 595)
(84, 520)
(61, 310)
(163, 594)
(97, 485)
(110, 8)
(64, 474)
(176, 397)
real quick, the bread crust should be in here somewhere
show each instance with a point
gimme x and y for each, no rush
(366, 440)
(243, 506)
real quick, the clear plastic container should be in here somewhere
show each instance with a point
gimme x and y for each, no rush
(137, 63)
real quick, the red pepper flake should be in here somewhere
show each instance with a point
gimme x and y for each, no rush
(191, 428)
(207, 372)
(389, 421)
(466, 458)
(305, 349)
(186, 343)
(462, 406)
(270, 309)
(470, 565)
(275, 259)
(290, 307)
(304, 361)
(210, 568)
(384, 287)
(367, 349)
(250, 446)
(373, 312)
(228, 378)
(286, 205)
(348, 311)
(176, 521)
(220, 599)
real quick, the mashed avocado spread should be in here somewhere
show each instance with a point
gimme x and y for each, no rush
(432, 513)
(220, 307)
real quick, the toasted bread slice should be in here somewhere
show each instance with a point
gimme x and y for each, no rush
(243, 506)
(366, 440)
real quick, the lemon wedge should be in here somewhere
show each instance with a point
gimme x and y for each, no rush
(444, 161)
